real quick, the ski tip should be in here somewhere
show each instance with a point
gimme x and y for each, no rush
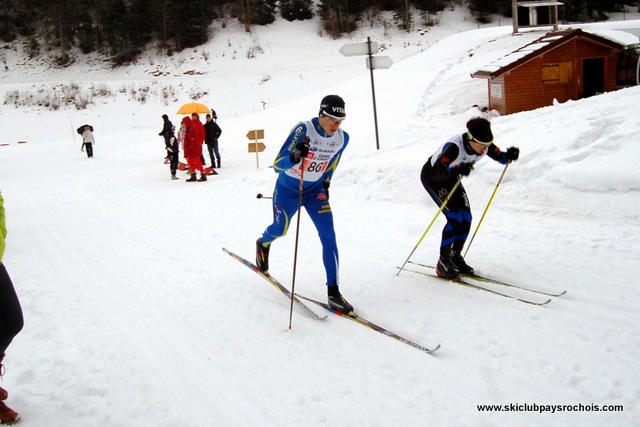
(431, 350)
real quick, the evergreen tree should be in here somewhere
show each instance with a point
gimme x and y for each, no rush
(482, 9)
(340, 16)
(403, 15)
(292, 10)
(255, 12)
(429, 10)
(191, 26)
(19, 18)
(116, 27)
(60, 18)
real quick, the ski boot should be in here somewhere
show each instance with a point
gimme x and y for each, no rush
(203, 177)
(262, 256)
(459, 263)
(446, 270)
(337, 301)
(193, 178)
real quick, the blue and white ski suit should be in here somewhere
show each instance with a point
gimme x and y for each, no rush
(324, 154)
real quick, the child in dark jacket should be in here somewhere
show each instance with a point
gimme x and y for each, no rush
(171, 144)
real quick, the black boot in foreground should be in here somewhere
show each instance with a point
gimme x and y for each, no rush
(446, 269)
(262, 256)
(460, 264)
(337, 301)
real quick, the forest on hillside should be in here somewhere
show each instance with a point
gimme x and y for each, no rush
(122, 29)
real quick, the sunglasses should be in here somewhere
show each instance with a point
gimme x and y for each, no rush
(485, 144)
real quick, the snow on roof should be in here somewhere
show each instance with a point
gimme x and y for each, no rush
(618, 37)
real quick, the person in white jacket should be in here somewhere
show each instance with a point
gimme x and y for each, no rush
(87, 141)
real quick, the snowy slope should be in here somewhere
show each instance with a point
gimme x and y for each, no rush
(135, 317)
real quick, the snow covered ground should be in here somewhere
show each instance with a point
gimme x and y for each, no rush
(135, 317)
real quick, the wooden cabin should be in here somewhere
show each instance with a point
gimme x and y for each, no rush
(561, 65)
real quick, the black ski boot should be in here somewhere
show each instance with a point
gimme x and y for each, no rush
(337, 301)
(203, 177)
(262, 256)
(446, 269)
(458, 261)
(192, 179)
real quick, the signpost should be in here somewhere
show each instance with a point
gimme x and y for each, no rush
(379, 62)
(255, 146)
(359, 49)
(373, 62)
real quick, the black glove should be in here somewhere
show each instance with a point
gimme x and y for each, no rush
(463, 169)
(326, 185)
(301, 150)
(513, 153)
(303, 147)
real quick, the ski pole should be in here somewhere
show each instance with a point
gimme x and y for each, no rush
(295, 252)
(444, 204)
(495, 190)
(260, 196)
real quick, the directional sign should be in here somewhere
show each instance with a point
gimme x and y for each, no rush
(252, 146)
(369, 48)
(357, 49)
(255, 134)
(255, 146)
(380, 62)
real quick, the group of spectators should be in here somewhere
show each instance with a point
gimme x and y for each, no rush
(190, 138)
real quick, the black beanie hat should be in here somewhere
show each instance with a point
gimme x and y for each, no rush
(479, 130)
(332, 105)
(164, 116)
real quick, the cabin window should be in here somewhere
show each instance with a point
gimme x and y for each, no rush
(556, 73)
(495, 90)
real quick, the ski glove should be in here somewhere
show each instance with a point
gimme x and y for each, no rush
(513, 153)
(301, 150)
(326, 185)
(463, 169)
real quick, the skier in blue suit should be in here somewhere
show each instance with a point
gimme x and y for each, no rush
(310, 154)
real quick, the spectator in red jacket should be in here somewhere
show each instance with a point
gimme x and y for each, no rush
(195, 119)
(193, 150)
